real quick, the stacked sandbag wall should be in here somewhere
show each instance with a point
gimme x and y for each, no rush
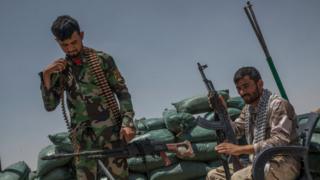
(177, 125)
(16, 171)
(55, 169)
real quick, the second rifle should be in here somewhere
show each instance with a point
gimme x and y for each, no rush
(221, 123)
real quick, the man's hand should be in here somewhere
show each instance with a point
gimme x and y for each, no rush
(57, 66)
(210, 96)
(127, 133)
(233, 149)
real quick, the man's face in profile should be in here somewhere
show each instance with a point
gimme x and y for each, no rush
(249, 90)
(73, 45)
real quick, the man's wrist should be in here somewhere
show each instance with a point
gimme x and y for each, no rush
(246, 149)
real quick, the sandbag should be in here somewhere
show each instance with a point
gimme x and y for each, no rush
(214, 164)
(203, 152)
(136, 176)
(209, 116)
(62, 141)
(210, 165)
(235, 102)
(198, 134)
(197, 104)
(62, 173)
(178, 122)
(45, 166)
(149, 124)
(151, 162)
(159, 135)
(32, 175)
(317, 129)
(315, 138)
(16, 171)
(181, 171)
(233, 114)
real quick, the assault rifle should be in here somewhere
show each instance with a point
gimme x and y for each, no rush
(133, 149)
(221, 123)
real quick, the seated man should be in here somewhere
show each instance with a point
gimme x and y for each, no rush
(266, 120)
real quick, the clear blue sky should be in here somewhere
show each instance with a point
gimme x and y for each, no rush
(156, 45)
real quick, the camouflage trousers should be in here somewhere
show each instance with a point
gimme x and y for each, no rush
(288, 169)
(98, 135)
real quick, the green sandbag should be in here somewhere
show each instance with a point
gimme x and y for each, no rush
(159, 135)
(214, 164)
(315, 138)
(178, 122)
(151, 162)
(198, 134)
(209, 116)
(62, 141)
(136, 176)
(233, 113)
(235, 102)
(149, 124)
(211, 165)
(317, 129)
(197, 104)
(63, 173)
(203, 152)
(181, 171)
(16, 171)
(45, 166)
(32, 175)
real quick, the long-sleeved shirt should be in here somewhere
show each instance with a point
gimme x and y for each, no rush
(84, 97)
(281, 127)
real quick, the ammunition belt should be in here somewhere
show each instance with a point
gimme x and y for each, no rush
(72, 133)
(106, 92)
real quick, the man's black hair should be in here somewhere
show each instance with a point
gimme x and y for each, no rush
(252, 72)
(64, 26)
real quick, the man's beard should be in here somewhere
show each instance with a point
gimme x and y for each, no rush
(74, 55)
(252, 97)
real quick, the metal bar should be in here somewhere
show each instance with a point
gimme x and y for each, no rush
(254, 23)
(263, 42)
(105, 170)
(255, 30)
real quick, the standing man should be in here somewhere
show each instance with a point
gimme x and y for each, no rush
(93, 123)
(266, 120)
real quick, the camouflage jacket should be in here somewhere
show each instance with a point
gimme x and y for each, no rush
(281, 127)
(84, 99)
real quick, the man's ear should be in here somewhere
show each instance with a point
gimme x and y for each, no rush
(81, 34)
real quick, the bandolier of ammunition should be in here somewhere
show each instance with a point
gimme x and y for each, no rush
(106, 92)
(72, 132)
